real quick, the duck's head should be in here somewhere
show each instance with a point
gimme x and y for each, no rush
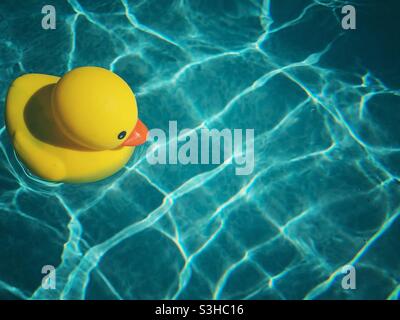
(96, 109)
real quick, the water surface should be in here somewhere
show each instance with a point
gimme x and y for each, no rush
(324, 193)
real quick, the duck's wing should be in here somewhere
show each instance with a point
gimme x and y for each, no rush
(38, 159)
(20, 92)
(41, 162)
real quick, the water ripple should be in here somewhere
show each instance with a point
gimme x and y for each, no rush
(324, 192)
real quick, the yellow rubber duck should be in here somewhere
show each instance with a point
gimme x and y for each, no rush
(79, 128)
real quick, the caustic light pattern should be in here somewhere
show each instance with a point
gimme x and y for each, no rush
(324, 193)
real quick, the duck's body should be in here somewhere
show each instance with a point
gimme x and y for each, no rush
(48, 151)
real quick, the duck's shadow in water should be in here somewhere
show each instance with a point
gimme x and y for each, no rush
(41, 124)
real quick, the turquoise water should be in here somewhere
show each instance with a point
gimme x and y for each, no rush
(324, 193)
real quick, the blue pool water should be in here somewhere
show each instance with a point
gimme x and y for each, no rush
(324, 193)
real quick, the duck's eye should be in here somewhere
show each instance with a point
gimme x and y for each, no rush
(121, 135)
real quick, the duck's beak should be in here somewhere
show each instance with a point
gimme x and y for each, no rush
(138, 135)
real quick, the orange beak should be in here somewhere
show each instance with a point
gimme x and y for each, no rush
(138, 135)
